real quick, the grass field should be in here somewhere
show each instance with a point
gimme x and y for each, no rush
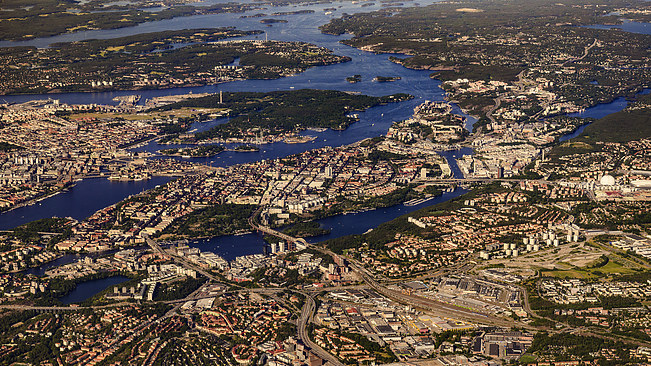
(527, 358)
(613, 267)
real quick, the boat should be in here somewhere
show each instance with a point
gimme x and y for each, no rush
(418, 201)
(299, 139)
(127, 178)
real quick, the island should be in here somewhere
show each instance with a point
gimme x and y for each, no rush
(273, 117)
(507, 231)
(272, 21)
(46, 18)
(354, 79)
(202, 151)
(155, 61)
(247, 148)
(505, 66)
(383, 79)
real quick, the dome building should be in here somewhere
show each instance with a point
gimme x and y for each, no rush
(607, 180)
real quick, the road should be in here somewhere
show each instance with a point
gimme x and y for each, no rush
(61, 308)
(153, 244)
(498, 100)
(290, 239)
(586, 50)
(306, 315)
(430, 305)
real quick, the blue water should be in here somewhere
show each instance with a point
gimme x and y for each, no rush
(374, 122)
(342, 225)
(232, 246)
(66, 259)
(451, 157)
(88, 289)
(303, 27)
(91, 195)
(599, 111)
(627, 26)
(40, 270)
(78, 202)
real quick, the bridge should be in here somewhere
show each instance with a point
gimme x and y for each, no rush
(480, 180)
(58, 309)
(290, 239)
(38, 232)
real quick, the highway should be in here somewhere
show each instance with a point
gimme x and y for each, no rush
(306, 316)
(61, 308)
(430, 305)
(256, 226)
(153, 244)
(586, 50)
(306, 313)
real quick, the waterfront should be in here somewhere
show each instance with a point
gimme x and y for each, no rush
(40, 270)
(626, 26)
(599, 111)
(88, 289)
(90, 195)
(232, 246)
(78, 202)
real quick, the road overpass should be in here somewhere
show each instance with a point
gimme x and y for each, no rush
(258, 227)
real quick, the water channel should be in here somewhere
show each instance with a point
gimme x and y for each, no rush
(92, 194)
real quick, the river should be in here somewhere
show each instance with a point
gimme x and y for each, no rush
(78, 202)
(599, 111)
(90, 195)
(232, 246)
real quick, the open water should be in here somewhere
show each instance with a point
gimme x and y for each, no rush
(90, 195)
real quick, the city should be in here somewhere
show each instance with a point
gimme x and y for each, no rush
(224, 192)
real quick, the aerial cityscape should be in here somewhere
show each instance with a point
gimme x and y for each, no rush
(325, 182)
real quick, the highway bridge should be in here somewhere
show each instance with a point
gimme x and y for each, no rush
(431, 305)
(306, 315)
(57, 309)
(258, 227)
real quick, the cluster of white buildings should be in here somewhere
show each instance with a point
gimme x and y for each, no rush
(573, 291)
(636, 244)
(533, 243)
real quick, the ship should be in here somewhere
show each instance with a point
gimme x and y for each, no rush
(299, 139)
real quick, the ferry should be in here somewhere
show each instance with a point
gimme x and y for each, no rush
(126, 178)
(299, 139)
(418, 201)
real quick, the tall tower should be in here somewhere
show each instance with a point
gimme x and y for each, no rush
(328, 171)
